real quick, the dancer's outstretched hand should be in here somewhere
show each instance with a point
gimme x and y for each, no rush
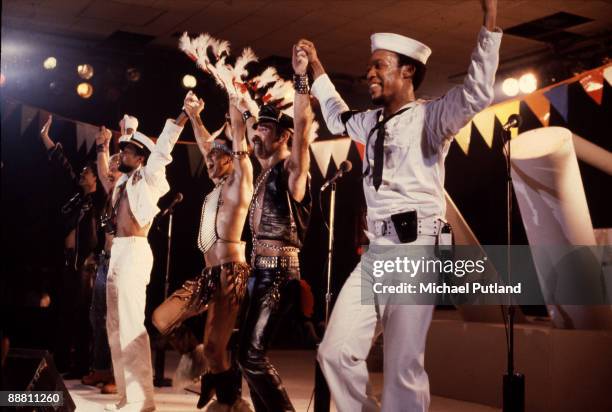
(299, 60)
(193, 105)
(309, 48)
(44, 132)
(104, 136)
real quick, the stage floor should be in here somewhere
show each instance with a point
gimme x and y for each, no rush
(296, 369)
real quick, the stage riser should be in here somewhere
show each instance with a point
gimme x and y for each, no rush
(565, 370)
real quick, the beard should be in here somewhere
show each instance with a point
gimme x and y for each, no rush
(123, 168)
(378, 101)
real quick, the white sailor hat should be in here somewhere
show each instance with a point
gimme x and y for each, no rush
(402, 45)
(142, 142)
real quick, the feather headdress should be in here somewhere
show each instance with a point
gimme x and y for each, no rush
(212, 55)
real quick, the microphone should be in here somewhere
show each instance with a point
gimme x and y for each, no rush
(345, 167)
(177, 199)
(515, 120)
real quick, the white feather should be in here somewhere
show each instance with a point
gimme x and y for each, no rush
(266, 77)
(247, 56)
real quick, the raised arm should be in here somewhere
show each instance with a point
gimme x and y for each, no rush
(193, 106)
(447, 115)
(155, 169)
(299, 160)
(103, 139)
(55, 151)
(338, 117)
(44, 134)
(243, 169)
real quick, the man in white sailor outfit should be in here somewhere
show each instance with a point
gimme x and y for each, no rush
(407, 142)
(134, 205)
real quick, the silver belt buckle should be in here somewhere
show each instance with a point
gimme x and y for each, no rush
(380, 227)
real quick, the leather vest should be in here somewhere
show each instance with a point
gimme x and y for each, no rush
(283, 218)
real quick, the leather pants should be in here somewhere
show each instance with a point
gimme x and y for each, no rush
(273, 293)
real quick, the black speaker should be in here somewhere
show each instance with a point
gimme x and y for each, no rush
(34, 370)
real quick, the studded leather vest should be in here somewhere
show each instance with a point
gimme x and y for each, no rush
(282, 217)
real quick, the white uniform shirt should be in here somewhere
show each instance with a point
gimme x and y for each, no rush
(147, 184)
(416, 141)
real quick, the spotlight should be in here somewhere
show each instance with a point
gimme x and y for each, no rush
(85, 90)
(510, 86)
(189, 81)
(132, 74)
(528, 83)
(50, 63)
(85, 71)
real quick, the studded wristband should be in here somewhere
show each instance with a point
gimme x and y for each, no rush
(300, 83)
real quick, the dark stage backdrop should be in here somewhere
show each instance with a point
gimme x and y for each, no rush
(32, 192)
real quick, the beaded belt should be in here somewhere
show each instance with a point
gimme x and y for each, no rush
(274, 262)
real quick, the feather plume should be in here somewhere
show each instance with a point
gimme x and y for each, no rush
(247, 56)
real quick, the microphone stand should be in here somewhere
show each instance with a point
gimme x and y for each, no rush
(513, 382)
(160, 354)
(322, 394)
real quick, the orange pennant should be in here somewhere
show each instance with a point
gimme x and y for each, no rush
(593, 84)
(540, 106)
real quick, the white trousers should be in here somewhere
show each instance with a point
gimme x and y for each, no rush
(352, 329)
(126, 289)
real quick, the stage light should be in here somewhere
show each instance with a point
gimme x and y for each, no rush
(189, 81)
(85, 90)
(50, 63)
(528, 83)
(132, 74)
(2, 79)
(85, 71)
(510, 86)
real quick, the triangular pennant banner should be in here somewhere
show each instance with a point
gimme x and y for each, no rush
(593, 84)
(504, 110)
(558, 98)
(540, 106)
(463, 137)
(195, 159)
(340, 149)
(322, 154)
(485, 123)
(607, 74)
(85, 133)
(360, 148)
(28, 114)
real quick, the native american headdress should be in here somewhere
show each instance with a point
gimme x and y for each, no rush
(213, 57)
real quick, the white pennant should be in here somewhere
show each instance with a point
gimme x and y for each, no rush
(28, 114)
(607, 73)
(340, 149)
(322, 154)
(86, 133)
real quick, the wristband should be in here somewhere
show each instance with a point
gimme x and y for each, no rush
(300, 83)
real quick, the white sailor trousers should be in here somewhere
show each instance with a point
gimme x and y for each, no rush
(352, 328)
(128, 275)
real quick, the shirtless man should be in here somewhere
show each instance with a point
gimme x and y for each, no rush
(223, 280)
(134, 205)
(108, 172)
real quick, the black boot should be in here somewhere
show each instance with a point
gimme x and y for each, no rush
(227, 387)
(207, 388)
